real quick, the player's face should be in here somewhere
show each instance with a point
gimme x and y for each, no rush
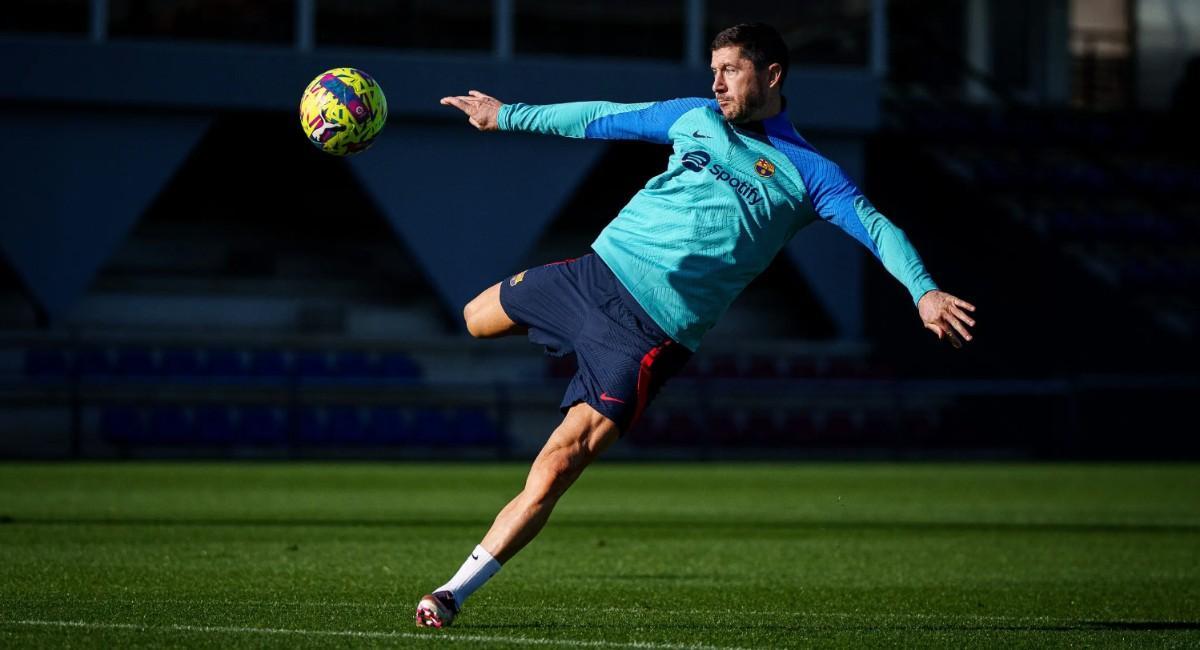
(740, 89)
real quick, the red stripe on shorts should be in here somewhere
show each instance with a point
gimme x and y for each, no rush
(645, 379)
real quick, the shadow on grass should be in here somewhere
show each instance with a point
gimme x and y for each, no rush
(734, 526)
(848, 625)
(1065, 626)
(1141, 626)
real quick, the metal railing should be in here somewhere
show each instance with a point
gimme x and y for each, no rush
(693, 20)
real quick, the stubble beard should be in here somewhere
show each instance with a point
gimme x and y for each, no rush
(754, 102)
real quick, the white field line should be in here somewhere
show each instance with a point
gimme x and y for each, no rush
(272, 604)
(365, 634)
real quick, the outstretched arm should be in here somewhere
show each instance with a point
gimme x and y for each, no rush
(943, 314)
(839, 201)
(649, 121)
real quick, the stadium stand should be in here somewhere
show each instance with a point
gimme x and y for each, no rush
(1109, 193)
(46, 364)
(254, 324)
(261, 425)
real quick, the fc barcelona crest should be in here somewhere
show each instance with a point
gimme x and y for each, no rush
(765, 168)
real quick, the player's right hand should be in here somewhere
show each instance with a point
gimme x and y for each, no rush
(483, 111)
(946, 316)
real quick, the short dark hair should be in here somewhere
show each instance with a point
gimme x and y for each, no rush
(759, 42)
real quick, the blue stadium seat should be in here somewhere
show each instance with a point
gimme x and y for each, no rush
(345, 426)
(432, 427)
(224, 363)
(388, 425)
(261, 425)
(180, 363)
(397, 365)
(214, 425)
(313, 365)
(135, 363)
(170, 425)
(311, 426)
(475, 427)
(122, 425)
(354, 364)
(93, 362)
(46, 364)
(269, 364)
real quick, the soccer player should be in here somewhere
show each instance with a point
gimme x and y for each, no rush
(740, 183)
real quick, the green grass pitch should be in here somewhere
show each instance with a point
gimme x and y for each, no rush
(637, 555)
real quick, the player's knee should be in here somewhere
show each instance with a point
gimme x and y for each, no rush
(560, 468)
(565, 467)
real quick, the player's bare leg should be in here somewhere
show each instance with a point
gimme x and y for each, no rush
(485, 317)
(579, 440)
(583, 435)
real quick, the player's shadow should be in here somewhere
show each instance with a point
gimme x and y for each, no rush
(1141, 626)
(241, 521)
(672, 526)
(750, 526)
(586, 622)
(802, 629)
(1061, 626)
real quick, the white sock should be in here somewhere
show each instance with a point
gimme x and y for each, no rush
(479, 567)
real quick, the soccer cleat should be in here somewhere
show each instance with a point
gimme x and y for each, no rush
(436, 610)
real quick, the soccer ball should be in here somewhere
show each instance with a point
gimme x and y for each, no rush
(342, 111)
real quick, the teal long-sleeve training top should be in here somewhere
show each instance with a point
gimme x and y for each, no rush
(732, 195)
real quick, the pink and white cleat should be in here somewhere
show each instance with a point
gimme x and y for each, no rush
(436, 610)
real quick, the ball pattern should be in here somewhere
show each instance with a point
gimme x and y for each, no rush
(342, 111)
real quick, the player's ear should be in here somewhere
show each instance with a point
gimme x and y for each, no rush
(774, 75)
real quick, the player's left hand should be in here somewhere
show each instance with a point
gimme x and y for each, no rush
(946, 316)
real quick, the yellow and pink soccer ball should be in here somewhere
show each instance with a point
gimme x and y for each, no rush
(342, 111)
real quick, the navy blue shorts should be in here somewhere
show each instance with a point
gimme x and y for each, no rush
(578, 306)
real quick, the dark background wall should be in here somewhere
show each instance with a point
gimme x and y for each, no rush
(182, 274)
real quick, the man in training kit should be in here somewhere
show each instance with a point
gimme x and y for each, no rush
(740, 183)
